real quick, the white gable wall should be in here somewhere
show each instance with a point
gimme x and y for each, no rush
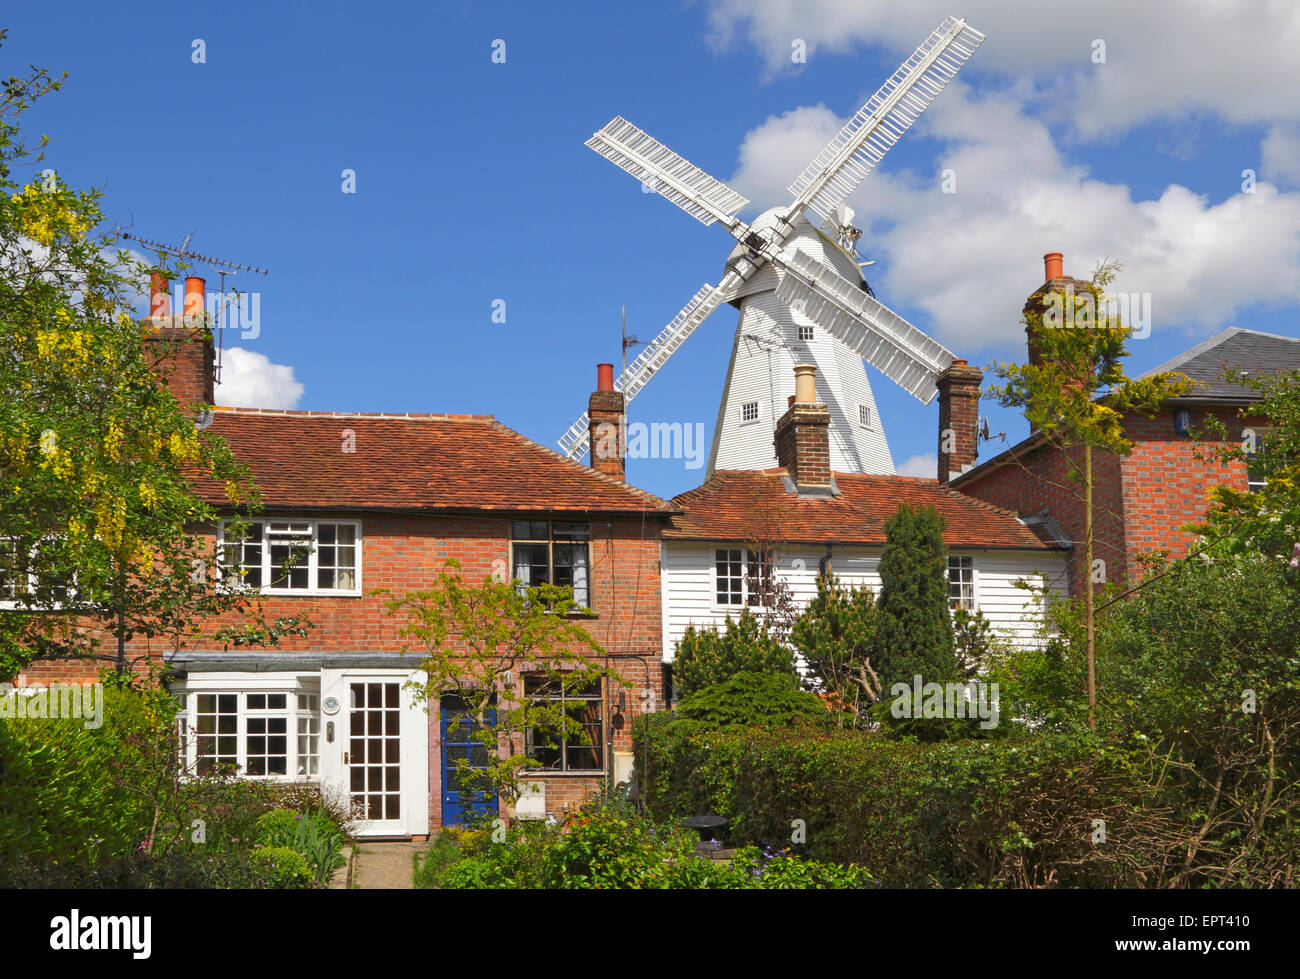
(690, 595)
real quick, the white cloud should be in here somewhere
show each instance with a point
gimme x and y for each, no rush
(1280, 155)
(922, 465)
(250, 380)
(1235, 59)
(969, 259)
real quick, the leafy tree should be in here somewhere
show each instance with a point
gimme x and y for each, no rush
(913, 624)
(96, 457)
(1076, 398)
(481, 642)
(1266, 521)
(835, 635)
(707, 656)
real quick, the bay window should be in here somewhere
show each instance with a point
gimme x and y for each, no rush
(271, 734)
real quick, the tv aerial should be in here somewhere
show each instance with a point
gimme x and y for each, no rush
(220, 265)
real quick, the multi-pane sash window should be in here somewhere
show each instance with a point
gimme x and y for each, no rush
(806, 332)
(864, 416)
(961, 582)
(578, 748)
(260, 734)
(552, 552)
(741, 577)
(749, 412)
(302, 556)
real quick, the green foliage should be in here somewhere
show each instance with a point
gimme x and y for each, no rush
(609, 846)
(974, 643)
(170, 871)
(707, 656)
(279, 827)
(952, 814)
(835, 634)
(746, 699)
(113, 804)
(1082, 347)
(442, 854)
(281, 867)
(312, 834)
(1266, 521)
(913, 623)
(63, 796)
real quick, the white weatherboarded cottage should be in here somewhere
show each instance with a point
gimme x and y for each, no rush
(810, 520)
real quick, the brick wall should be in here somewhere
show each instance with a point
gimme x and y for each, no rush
(402, 553)
(1141, 502)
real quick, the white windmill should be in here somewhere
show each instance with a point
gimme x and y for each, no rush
(800, 291)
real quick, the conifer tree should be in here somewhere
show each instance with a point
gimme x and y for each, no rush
(913, 624)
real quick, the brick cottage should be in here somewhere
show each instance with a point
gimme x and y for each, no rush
(1145, 499)
(370, 501)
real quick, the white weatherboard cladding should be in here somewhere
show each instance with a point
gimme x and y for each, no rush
(763, 357)
(689, 595)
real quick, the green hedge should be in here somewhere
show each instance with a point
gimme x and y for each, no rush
(975, 813)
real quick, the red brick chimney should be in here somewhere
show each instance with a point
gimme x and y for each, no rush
(180, 347)
(608, 425)
(959, 416)
(803, 445)
(1056, 282)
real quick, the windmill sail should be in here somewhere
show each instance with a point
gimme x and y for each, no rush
(576, 441)
(846, 160)
(885, 340)
(702, 197)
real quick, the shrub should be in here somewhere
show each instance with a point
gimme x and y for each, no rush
(835, 634)
(71, 792)
(443, 853)
(992, 813)
(279, 827)
(753, 698)
(706, 656)
(169, 871)
(611, 846)
(280, 867)
(311, 834)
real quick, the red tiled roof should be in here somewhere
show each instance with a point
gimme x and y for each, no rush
(404, 462)
(754, 505)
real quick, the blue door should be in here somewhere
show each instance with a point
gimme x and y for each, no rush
(463, 738)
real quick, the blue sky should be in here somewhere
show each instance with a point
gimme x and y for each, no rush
(473, 184)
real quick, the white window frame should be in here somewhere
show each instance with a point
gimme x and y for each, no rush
(747, 561)
(292, 686)
(974, 602)
(758, 412)
(312, 559)
(806, 334)
(1261, 436)
(33, 583)
(864, 416)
